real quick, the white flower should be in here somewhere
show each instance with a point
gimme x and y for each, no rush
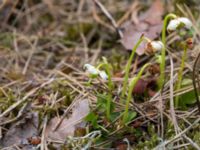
(91, 69)
(153, 46)
(173, 24)
(94, 71)
(103, 75)
(157, 45)
(186, 22)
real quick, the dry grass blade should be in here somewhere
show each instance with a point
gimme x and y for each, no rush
(196, 80)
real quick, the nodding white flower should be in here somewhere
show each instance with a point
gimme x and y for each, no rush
(94, 71)
(91, 69)
(186, 22)
(173, 25)
(157, 45)
(103, 75)
(154, 46)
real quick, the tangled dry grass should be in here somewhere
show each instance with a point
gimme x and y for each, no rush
(43, 47)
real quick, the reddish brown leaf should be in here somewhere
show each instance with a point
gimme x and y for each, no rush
(122, 146)
(34, 140)
(148, 85)
(140, 87)
(150, 24)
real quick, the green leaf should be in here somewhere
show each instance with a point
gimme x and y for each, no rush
(102, 103)
(92, 118)
(187, 99)
(186, 82)
(114, 115)
(131, 115)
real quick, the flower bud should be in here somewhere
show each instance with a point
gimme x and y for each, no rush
(91, 69)
(189, 43)
(154, 46)
(103, 75)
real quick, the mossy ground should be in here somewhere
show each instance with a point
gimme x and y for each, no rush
(43, 47)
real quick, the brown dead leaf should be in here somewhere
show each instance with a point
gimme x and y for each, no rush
(21, 131)
(140, 87)
(150, 24)
(149, 85)
(68, 125)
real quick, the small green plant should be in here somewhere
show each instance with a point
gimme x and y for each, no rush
(175, 23)
(94, 72)
(180, 74)
(110, 85)
(127, 69)
(152, 46)
(132, 85)
(162, 64)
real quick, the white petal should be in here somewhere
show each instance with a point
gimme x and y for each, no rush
(103, 75)
(157, 45)
(186, 22)
(91, 69)
(173, 24)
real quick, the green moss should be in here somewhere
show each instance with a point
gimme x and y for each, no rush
(6, 39)
(73, 31)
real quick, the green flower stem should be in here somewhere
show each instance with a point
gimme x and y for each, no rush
(180, 74)
(110, 87)
(162, 64)
(127, 70)
(131, 87)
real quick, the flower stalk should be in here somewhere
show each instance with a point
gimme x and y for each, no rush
(131, 87)
(110, 87)
(162, 64)
(128, 66)
(180, 74)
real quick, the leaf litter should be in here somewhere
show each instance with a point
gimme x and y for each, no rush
(21, 131)
(68, 125)
(148, 23)
(62, 40)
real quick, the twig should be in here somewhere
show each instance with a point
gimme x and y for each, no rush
(177, 136)
(191, 142)
(171, 98)
(109, 16)
(20, 113)
(29, 57)
(25, 98)
(43, 141)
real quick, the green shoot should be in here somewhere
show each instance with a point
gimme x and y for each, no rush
(127, 70)
(180, 73)
(162, 64)
(131, 87)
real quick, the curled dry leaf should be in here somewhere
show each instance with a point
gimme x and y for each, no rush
(68, 125)
(149, 24)
(20, 132)
(142, 86)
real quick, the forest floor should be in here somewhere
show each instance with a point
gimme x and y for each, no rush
(48, 99)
